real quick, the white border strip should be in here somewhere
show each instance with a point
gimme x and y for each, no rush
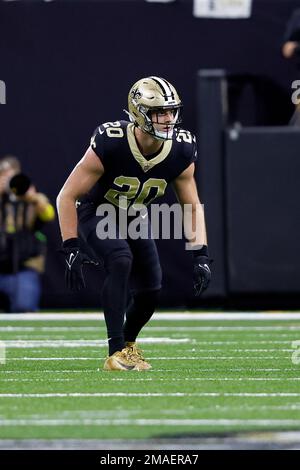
(187, 315)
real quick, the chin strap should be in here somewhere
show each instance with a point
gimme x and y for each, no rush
(164, 135)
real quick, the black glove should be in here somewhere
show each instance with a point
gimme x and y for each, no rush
(75, 259)
(201, 273)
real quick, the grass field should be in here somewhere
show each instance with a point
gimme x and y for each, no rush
(207, 377)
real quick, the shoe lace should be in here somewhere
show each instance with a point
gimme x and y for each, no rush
(125, 355)
(135, 352)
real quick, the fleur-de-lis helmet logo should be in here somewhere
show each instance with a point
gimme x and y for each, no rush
(136, 94)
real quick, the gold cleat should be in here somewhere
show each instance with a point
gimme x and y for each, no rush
(120, 360)
(135, 354)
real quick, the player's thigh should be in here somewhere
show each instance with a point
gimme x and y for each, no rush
(106, 250)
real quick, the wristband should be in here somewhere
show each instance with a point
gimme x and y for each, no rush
(71, 243)
(202, 252)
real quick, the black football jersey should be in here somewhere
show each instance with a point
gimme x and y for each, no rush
(128, 173)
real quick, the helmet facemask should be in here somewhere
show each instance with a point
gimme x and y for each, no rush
(162, 130)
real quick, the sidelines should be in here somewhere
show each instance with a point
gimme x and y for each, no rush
(158, 316)
(285, 440)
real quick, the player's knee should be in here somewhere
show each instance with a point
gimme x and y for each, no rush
(151, 280)
(123, 263)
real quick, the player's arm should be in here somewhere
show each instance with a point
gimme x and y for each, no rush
(194, 227)
(84, 176)
(194, 222)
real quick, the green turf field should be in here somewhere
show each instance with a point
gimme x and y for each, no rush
(207, 377)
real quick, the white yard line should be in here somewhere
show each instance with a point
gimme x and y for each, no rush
(37, 380)
(158, 316)
(65, 343)
(136, 395)
(177, 358)
(47, 371)
(149, 422)
(148, 328)
(51, 328)
(159, 379)
(93, 371)
(165, 358)
(62, 359)
(43, 339)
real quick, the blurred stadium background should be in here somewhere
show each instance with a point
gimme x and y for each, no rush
(68, 65)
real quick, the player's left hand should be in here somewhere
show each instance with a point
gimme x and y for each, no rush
(201, 274)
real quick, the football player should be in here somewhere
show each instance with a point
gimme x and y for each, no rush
(135, 159)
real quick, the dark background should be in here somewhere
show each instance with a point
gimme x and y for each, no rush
(68, 66)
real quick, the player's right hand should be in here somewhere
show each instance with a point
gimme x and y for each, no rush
(75, 259)
(201, 274)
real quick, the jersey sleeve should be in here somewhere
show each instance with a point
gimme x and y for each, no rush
(97, 143)
(194, 154)
(189, 150)
(185, 152)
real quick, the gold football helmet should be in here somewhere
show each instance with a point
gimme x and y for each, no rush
(151, 95)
